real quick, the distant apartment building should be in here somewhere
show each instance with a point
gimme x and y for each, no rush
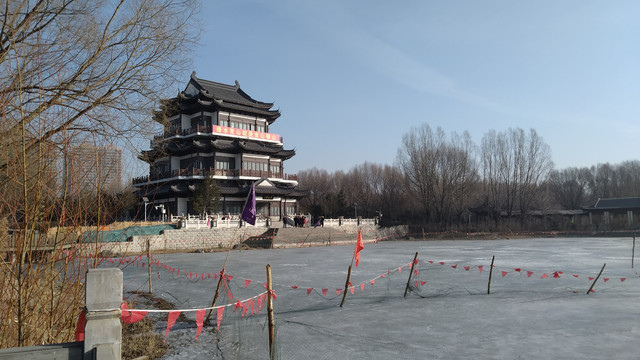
(90, 168)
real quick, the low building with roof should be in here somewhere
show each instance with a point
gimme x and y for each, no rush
(215, 129)
(614, 213)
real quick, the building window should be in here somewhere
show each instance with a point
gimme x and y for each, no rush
(255, 165)
(263, 210)
(225, 163)
(275, 209)
(291, 209)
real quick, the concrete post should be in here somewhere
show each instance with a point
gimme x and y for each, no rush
(103, 331)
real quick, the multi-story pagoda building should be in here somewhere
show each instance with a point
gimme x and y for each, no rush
(213, 129)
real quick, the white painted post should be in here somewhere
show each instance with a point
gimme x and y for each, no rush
(103, 330)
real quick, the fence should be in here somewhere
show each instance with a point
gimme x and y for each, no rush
(234, 221)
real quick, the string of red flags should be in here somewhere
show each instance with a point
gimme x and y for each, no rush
(246, 307)
(193, 276)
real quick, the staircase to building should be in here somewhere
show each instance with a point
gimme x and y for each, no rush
(306, 236)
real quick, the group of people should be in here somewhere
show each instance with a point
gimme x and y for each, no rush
(300, 221)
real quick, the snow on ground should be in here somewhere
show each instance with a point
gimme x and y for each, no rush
(538, 307)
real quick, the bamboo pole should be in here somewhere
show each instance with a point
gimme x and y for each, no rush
(215, 296)
(490, 274)
(272, 352)
(413, 264)
(596, 279)
(149, 264)
(346, 286)
(633, 250)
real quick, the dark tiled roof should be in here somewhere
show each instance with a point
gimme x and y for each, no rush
(615, 204)
(267, 148)
(227, 93)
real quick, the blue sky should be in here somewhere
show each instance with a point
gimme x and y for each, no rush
(351, 77)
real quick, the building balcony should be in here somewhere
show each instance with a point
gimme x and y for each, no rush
(232, 173)
(219, 131)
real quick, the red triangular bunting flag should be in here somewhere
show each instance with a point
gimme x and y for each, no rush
(430, 261)
(504, 273)
(246, 308)
(173, 316)
(352, 289)
(480, 268)
(382, 275)
(199, 321)
(399, 270)
(575, 276)
(517, 269)
(454, 266)
(309, 290)
(466, 268)
(362, 286)
(219, 313)
(338, 292)
(359, 247)
(441, 262)
(591, 278)
(606, 279)
(324, 292)
(622, 279)
(529, 273)
(422, 282)
(544, 276)
(294, 286)
(130, 317)
(246, 283)
(373, 281)
(556, 274)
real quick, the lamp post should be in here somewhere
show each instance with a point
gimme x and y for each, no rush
(355, 206)
(146, 202)
(161, 207)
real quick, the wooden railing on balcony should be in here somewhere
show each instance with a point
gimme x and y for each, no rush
(217, 172)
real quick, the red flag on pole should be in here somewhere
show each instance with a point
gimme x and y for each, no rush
(359, 246)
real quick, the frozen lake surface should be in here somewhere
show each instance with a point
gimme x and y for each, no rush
(538, 307)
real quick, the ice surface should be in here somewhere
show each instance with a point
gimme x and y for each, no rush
(451, 316)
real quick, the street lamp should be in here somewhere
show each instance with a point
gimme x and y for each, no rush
(161, 206)
(146, 202)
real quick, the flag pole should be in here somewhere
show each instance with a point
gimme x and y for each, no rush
(346, 284)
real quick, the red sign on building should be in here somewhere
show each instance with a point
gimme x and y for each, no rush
(250, 134)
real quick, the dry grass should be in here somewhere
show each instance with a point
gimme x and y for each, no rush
(139, 339)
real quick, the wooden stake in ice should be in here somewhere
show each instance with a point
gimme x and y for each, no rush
(272, 352)
(633, 249)
(149, 264)
(596, 279)
(215, 297)
(413, 264)
(490, 274)
(346, 286)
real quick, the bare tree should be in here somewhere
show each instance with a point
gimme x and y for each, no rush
(570, 187)
(71, 70)
(319, 183)
(514, 165)
(440, 171)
